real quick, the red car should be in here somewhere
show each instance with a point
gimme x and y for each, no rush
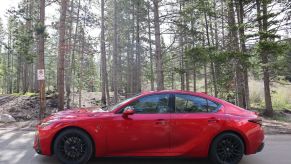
(161, 123)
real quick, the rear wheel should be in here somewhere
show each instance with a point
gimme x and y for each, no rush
(227, 148)
(73, 146)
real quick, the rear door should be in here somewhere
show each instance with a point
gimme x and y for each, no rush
(193, 123)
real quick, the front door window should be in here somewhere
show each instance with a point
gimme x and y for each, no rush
(152, 104)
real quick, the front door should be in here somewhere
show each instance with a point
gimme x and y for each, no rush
(146, 131)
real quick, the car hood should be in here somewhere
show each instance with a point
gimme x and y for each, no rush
(76, 114)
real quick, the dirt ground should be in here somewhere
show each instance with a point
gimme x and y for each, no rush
(276, 127)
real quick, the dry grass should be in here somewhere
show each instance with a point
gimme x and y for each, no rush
(281, 95)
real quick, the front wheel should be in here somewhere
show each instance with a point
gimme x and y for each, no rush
(73, 146)
(227, 148)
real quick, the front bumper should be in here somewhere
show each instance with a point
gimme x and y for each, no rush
(36, 145)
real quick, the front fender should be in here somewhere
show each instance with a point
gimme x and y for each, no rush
(95, 130)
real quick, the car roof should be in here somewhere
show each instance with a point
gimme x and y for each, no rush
(173, 91)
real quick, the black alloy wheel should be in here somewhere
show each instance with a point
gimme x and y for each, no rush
(227, 148)
(73, 146)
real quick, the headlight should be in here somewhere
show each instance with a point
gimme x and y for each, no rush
(45, 124)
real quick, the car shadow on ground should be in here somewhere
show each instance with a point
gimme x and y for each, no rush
(148, 160)
(131, 160)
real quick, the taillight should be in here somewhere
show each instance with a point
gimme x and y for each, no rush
(257, 121)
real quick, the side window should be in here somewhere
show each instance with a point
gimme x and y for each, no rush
(190, 104)
(193, 104)
(212, 106)
(152, 104)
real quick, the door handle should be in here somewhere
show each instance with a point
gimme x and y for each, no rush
(161, 122)
(213, 120)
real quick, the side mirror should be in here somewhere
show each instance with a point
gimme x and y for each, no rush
(128, 111)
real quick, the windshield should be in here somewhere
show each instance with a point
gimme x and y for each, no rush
(111, 108)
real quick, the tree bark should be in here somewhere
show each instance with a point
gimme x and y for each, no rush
(115, 62)
(104, 75)
(263, 27)
(234, 47)
(150, 51)
(216, 43)
(61, 54)
(68, 58)
(246, 102)
(181, 54)
(73, 62)
(81, 65)
(41, 64)
(194, 80)
(138, 49)
(222, 24)
(132, 52)
(158, 53)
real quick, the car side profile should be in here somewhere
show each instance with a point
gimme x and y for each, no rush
(158, 123)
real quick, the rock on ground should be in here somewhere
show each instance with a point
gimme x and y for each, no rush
(6, 118)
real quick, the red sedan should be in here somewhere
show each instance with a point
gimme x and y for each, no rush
(162, 123)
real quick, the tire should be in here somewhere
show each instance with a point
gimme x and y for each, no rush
(73, 146)
(227, 148)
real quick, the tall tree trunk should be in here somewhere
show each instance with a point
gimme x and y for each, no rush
(24, 60)
(187, 73)
(263, 28)
(205, 78)
(222, 24)
(265, 60)
(115, 55)
(216, 43)
(81, 65)
(68, 68)
(41, 64)
(181, 54)
(193, 45)
(31, 77)
(61, 55)
(150, 50)
(205, 65)
(18, 73)
(208, 44)
(187, 78)
(25, 76)
(104, 75)
(209, 29)
(234, 46)
(128, 60)
(138, 49)
(158, 55)
(73, 62)
(194, 80)
(132, 52)
(9, 70)
(246, 103)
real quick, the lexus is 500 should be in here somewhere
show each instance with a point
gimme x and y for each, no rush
(160, 123)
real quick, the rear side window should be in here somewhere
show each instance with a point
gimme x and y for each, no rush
(193, 104)
(212, 106)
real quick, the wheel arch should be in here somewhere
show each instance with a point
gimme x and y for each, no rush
(72, 127)
(233, 132)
